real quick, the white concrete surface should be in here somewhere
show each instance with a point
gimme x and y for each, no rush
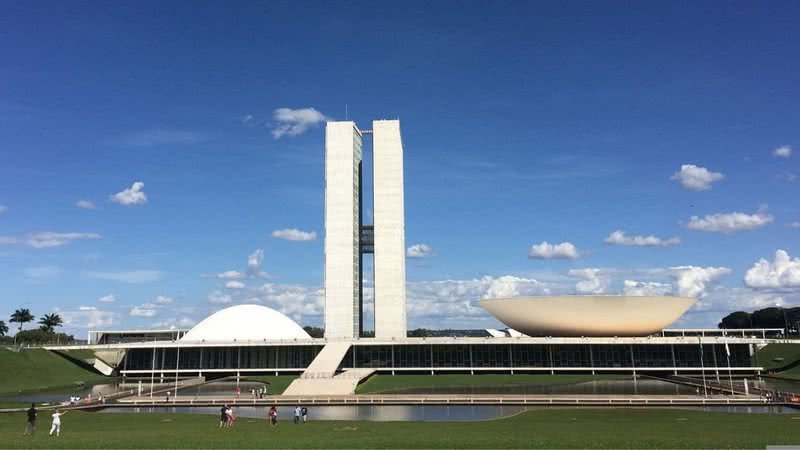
(588, 315)
(342, 157)
(389, 221)
(245, 323)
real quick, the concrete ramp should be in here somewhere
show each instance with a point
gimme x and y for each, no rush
(102, 367)
(344, 383)
(320, 377)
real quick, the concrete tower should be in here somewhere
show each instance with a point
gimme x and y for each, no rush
(347, 238)
(343, 156)
(390, 230)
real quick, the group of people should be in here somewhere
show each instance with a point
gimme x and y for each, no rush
(226, 417)
(258, 393)
(33, 415)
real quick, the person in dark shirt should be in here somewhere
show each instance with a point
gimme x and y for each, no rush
(223, 416)
(31, 427)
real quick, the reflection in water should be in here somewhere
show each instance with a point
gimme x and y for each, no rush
(386, 413)
(62, 394)
(602, 387)
(415, 413)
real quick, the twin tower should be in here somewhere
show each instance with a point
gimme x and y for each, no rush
(347, 238)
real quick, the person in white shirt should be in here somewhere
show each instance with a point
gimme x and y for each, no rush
(56, 427)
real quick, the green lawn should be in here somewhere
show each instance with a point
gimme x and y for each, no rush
(774, 356)
(276, 384)
(381, 383)
(546, 428)
(39, 369)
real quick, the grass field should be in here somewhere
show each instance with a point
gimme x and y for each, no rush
(547, 428)
(39, 369)
(774, 356)
(382, 383)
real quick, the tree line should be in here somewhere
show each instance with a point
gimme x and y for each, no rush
(773, 317)
(45, 333)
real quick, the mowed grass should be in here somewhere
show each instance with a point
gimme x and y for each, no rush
(388, 383)
(774, 356)
(546, 428)
(39, 369)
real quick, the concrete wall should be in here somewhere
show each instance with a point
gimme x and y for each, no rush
(342, 157)
(389, 221)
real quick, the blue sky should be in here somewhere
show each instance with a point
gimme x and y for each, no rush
(523, 123)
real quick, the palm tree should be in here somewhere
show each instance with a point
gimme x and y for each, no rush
(21, 316)
(50, 321)
(3, 328)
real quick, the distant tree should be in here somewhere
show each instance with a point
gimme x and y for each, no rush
(314, 332)
(738, 319)
(419, 332)
(50, 321)
(40, 336)
(3, 328)
(769, 318)
(21, 316)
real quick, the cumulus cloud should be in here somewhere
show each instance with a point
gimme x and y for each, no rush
(174, 323)
(145, 310)
(85, 204)
(294, 122)
(793, 224)
(784, 151)
(231, 275)
(591, 281)
(696, 178)
(133, 195)
(235, 285)
(782, 273)
(546, 250)
(254, 261)
(218, 298)
(645, 288)
(163, 300)
(87, 317)
(3, 209)
(293, 234)
(692, 281)
(730, 222)
(132, 276)
(419, 251)
(47, 239)
(619, 238)
(107, 299)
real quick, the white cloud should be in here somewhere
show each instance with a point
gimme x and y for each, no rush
(254, 261)
(85, 204)
(47, 239)
(692, 281)
(696, 178)
(591, 282)
(132, 276)
(163, 300)
(235, 285)
(42, 272)
(793, 224)
(218, 298)
(174, 323)
(644, 288)
(293, 234)
(3, 209)
(87, 317)
(145, 310)
(784, 151)
(133, 195)
(619, 238)
(730, 222)
(294, 122)
(419, 251)
(107, 299)
(782, 273)
(231, 275)
(545, 250)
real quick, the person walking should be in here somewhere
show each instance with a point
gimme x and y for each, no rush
(297, 414)
(56, 427)
(231, 416)
(223, 416)
(273, 417)
(30, 428)
(304, 413)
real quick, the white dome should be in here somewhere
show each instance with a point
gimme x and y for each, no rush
(245, 323)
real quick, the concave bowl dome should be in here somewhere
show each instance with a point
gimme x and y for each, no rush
(245, 323)
(587, 315)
